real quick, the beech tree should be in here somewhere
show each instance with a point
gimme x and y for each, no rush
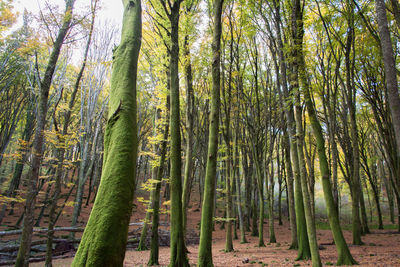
(26, 238)
(104, 239)
(205, 247)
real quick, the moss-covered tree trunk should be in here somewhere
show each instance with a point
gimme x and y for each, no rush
(291, 158)
(207, 212)
(188, 173)
(177, 243)
(37, 146)
(228, 201)
(260, 191)
(363, 212)
(390, 65)
(236, 175)
(154, 245)
(104, 239)
(297, 39)
(310, 223)
(254, 213)
(302, 237)
(344, 256)
(271, 226)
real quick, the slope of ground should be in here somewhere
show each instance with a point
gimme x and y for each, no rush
(381, 248)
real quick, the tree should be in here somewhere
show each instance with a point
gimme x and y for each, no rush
(24, 249)
(61, 150)
(390, 69)
(190, 110)
(344, 256)
(104, 239)
(154, 243)
(297, 35)
(206, 224)
(177, 243)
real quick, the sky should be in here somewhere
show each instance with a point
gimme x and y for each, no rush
(111, 10)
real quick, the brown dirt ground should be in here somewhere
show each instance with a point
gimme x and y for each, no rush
(381, 248)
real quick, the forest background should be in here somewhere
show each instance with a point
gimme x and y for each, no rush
(308, 124)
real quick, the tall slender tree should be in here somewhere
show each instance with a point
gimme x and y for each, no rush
(61, 150)
(26, 238)
(344, 255)
(390, 68)
(177, 245)
(205, 247)
(154, 243)
(190, 109)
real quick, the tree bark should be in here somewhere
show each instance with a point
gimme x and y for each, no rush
(105, 236)
(390, 71)
(177, 245)
(297, 35)
(294, 194)
(205, 251)
(188, 173)
(154, 244)
(344, 256)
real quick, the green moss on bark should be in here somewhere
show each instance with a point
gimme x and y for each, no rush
(105, 236)
(207, 213)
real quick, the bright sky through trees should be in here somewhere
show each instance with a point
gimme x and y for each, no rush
(109, 10)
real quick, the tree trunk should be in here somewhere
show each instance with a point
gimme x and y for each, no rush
(260, 190)
(246, 172)
(104, 239)
(154, 244)
(61, 151)
(310, 223)
(238, 189)
(390, 71)
(298, 232)
(254, 213)
(280, 181)
(205, 251)
(188, 173)
(26, 237)
(297, 35)
(344, 256)
(272, 238)
(177, 243)
(388, 187)
(290, 193)
(363, 211)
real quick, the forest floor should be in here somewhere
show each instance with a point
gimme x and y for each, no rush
(381, 248)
